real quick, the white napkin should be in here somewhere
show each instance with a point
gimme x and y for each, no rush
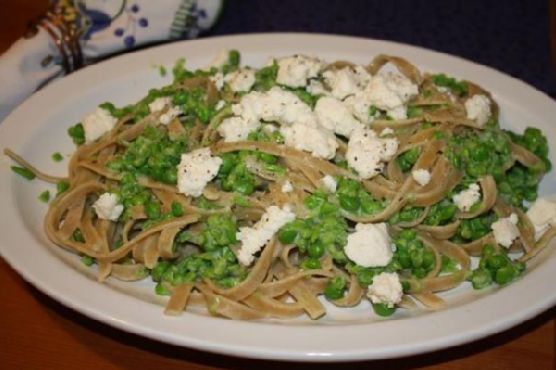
(105, 27)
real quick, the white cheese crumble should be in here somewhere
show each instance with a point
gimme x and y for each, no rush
(369, 245)
(387, 131)
(241, 79)
(254, 238)
(346, 81)
(329, 183)
(505, 230)
(158, 104)
(107, 207)
(97, 124)
(294, 71)
(421, 176)
(316, 87)
(236, 128)
(274, 105)
(335, 115)
(367, 153)
(542, 215)
(169, 115)
(218, 80)
(360, 107)
(478, 109)
(312, 138)
(195, 170)
(220, 105)
(465, 199)
(386, 288)
(391, 92)
(287, 187)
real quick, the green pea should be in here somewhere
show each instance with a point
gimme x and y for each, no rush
(428, 259)
(44, 196)
(480, 279)
(416, 257)
(229, 161)
(365, 276)
(316, 250)
(161, 290)
(177, 209)
(335, 288)
(87, 260)
(234, 57)
(287, 235)
(268, 158)
(504, 275)
(78, 236)
(170, 176)
(77, 134)
(496, 262)
(152, 209)
(244, 187)
(349, 203)
(311, 264)
(382, 309)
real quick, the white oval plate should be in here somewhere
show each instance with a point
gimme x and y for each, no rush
(38, 128)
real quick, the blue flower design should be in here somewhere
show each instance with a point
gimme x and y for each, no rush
(133, 21)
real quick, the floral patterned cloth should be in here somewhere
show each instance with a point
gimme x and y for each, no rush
(104, 27)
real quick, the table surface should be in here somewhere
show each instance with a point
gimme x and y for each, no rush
(39, 333)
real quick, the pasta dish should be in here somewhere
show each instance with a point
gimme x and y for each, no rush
(260, 193)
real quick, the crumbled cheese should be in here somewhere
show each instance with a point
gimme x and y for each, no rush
(97, 124)
(505, 230)
(241, 79)
(218, 80)
(220, 59)
(369, 245)
(387, 131)
(478, 109)
(158, 104)
(360, 106)
(237, 128)
(367, 153)
(195, 170)
(287, 187)
(315, 87)
(274, 105)
(421, 176)
(220, 105)
(269, 129)
(334, 115)
(294, 71)
(254, 238)
(346, 81)
(465, 199)
(391, 92)
(169, 115)
(386, 288)
(312, 138)
(329, 183)
(542, 215)
(107, 207)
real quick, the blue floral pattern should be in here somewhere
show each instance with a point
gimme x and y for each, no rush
(133, 20)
